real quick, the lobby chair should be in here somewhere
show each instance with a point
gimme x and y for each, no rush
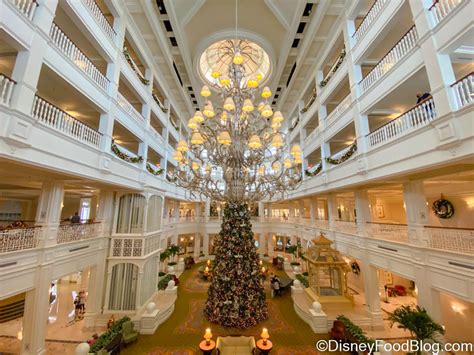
(128, 334)
(235, 345)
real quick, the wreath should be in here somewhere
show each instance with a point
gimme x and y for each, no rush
(355, 268)
(443, 208)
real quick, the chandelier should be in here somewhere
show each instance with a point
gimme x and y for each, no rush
(237, 152)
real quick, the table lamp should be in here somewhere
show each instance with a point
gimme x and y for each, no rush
(208, 336)
(265, 335)
(208, 262)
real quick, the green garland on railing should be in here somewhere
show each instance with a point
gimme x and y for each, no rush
(303, 279)
(108, 336)
(316, 171)
(158, 101)
(323, 83)
(355, 330)
(133, 66)
(150, 169)
(115, 149)
(171, 178)
(343, 158)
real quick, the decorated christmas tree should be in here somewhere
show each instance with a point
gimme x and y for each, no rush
(236, 297)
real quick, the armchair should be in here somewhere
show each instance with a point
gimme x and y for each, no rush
(235, 345)
(128, 334)
(400, 290)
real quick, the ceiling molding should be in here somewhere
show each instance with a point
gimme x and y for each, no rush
(192, 11)
(280, 17)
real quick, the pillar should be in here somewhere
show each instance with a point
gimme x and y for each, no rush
(261, 210)
(416, 212)
(197, 246)
(207, 210)
(312, 209)
(95, 289)
(372, 296)
(363, 211)
(427, 297)
(325, 153)
(261, 245)
(332, 212)
(48, 213)
(270, 245)
(206, 244)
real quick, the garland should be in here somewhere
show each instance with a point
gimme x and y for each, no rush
(171, 178)
(315, 172)
(355, 330)
(150, 169)
(123, 156)
(134, 66)
(303, 279)
(157, 100)
(443, 208)
(344, 157)
(323, 82)
(107, 337)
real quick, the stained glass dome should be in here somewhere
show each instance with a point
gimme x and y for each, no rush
(218, 56)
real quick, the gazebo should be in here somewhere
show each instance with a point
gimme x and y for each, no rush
(327, 273)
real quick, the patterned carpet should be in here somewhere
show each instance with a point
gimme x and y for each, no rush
(183, 331)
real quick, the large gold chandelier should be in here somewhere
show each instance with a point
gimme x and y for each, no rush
(237, 153)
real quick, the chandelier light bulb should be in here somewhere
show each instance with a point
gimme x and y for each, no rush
(192, 124)
(225, 81)
(261, 171)
(177, 155)
(198, 117)
(276, 166)
(287, 163)
(276, 125)
(252, 83)
(254, 142)
(266, 93)
(208, 110)
(205, 92)
(298, 159)
(259, 76)
(267, 111)
(224, 138)
(196, 138)
(182, 146)
(195, 165)
(248, 106)
(238, 59)
(277, 141)
(229, 104)
(295, 150)
(215, 74)
(208, 168)
(278, 117)
(224, 116)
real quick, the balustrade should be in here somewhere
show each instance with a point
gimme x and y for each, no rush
(368, 19)
(19, 239)
(464, 90)
(398, 51)
(99, 16)
(52, 116)
(345, 226)
(334, 68)
(69, 48)
(128, 108)
(312, 136)
(27, 7)
(441, 8)
(74, 232)
(6, 89)
(418, 116)
(127, 247)
(388, 231)
(452, 239)
(340, 109)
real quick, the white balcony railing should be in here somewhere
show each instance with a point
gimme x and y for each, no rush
(74, 232)
(312, 136)
(340, 109)
(6, 89)
(52, 116)
(18, 239)
(67, 46)
(464, 90)
(388, 231)
(156, 135)
(369, 18)
(127, 107)
(399, 51)
(27, 7)
(126, 247)
(419, 116)
(100, 18)
(441, 8)
(337, 64)
(346, 226)
(453, 239)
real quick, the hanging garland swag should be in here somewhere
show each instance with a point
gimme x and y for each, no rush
(443, 208)
(344, 157)
(115, 149)
(315, 172)
(156, 172)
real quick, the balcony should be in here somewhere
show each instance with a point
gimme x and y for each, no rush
(135, 246)
(453, 239)
(100, 18)
(388, 231)
(342, 155)
(19, 239)
(337, 64)
(26, 7)
(417, 117)
(74, 232)
(6, 89)
(463, 90)
(134, 67)
(400, 50)
(129, 109)
(125, 154)
(364, 26)
(441, 8)
(51, 116)
(80, 60)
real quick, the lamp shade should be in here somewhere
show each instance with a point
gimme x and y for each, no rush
(248, 106)
(266, 93)
(295, 150)
(182, 146)
(287, 163)
(224, 116)
(238, 58)
(261, 170)
(276, 125)
(208, 334)
(198, 117)
(177, 155)
(195, 165)
(265, 334)
(225, 81)
(205, 92)
(267, 111)
(229, 104)
(278, 117)
(277, 141)
(254, 142)
(276, 166)
(197, 138)
(192, 123)
(252, 83)
(208, 110)
(224, 138)
(215, 74)
(261, 106)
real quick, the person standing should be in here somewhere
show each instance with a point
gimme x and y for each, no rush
(76, 218)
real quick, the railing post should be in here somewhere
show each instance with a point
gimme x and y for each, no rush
(49, 211)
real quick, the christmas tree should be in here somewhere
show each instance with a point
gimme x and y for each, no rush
(236, 297)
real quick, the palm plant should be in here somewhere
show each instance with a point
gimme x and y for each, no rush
(417, 321)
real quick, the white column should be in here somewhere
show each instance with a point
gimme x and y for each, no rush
(207, 210)
(332, 212)
(312, 209)
(372, 296)
(206, 244)
(416, 212)
(261, 210)
(325, 153)
(363, 211)
(96, 289)
(197, 245)
(105, 212)
(270, 245)
(36, 312)
(428, 297)
(261, 244)
(48, 212)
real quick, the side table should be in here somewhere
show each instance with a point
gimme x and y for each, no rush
(264, 349)
(207, 349)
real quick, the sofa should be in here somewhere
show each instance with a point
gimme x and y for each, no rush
(235, 345)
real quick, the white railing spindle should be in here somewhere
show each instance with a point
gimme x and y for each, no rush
(464, 90)
(74, 232)
(26, 7)
(100, 18)
(369, 18)
(6, 89)
(18, 239)
(127, 107)
(441, 8)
